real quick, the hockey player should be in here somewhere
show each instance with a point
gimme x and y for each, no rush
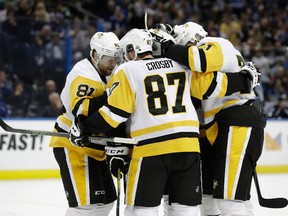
(87, 181)
(233, 126)
(153, 95)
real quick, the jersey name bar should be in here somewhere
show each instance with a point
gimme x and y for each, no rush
(159, 64)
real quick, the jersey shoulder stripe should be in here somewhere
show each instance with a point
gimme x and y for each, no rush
(118, 111)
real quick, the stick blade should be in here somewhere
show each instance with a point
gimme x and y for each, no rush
(4, 125)
(273, 202)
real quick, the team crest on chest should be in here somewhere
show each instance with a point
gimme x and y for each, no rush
(114, 85)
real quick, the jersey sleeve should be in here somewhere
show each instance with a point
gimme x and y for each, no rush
(119, 106)
(215, 55)
(207, 57)
(84, 95)
(216, 84)
(212, 54)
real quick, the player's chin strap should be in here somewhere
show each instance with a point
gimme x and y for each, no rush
(95, 64)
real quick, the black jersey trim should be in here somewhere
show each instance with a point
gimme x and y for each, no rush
(168, 137)
(77, 105)
(211, 87)
(59, 129)
(249, 102)
(207, 126)
(203, 60)
(118, 111)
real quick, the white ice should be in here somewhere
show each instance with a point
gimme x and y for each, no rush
(46, 197)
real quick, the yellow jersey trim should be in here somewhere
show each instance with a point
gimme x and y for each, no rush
(169, 146)
(164, 127)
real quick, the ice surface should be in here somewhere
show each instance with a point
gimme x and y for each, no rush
(47, 198)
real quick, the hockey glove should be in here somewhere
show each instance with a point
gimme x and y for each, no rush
(166, 28)
(160, 45)
(253, 74)
(76, 134)
(117, 158)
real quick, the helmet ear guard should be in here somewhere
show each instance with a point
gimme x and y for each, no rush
(129, 48)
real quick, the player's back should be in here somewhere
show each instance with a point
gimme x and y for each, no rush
(229, 60)
(163, 112)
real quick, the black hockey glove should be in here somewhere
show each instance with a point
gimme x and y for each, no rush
(160, 45)
(118, 158)
(253, 74)
(76, 135)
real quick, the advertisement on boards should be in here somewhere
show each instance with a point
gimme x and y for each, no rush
(26, 153)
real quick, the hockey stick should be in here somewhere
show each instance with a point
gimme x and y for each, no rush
(146, 20)
(271, 202)
(118, 192)
(92, 139)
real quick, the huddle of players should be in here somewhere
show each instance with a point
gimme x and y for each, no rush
(166, 76)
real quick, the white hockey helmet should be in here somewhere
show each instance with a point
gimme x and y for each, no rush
(189, 32)
(105, 43)
(138, 40)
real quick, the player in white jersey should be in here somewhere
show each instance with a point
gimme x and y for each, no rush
(153, 96)
(87, 181)
(233, 126)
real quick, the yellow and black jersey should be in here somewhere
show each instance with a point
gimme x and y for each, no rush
(153, 96)
(83, 85)
(209, 55)
(218, 54)
(217, 92)
(211, 89)
(215, 54)
(212, 85)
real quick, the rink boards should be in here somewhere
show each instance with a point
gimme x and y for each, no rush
(29, 156)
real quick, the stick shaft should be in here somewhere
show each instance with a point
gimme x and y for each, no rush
(146, 20)
(92, 139)
(118, 192)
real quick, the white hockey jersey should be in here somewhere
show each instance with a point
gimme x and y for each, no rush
(82, 84)
(217, 54)
(154, 96)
